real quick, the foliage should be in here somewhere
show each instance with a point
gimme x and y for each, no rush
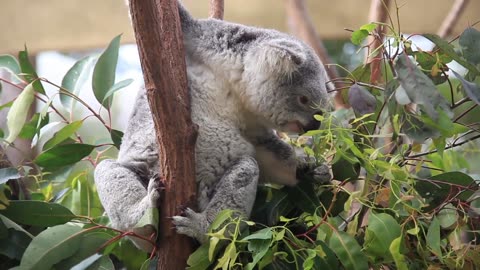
(402, 195)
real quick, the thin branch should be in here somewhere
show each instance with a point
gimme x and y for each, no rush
(301, 25)
(217, 9)
(452, 18)
(448, 147)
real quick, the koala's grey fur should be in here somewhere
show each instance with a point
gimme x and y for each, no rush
(244, 82)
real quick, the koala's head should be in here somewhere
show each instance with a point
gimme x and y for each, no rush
(285, 83)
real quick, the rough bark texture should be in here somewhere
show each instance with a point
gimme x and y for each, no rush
(159, 39)
(301, 25)
(378, 13)
(216, 9)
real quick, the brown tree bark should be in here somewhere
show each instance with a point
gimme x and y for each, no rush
(301, 25)
(216, 9)
(159, 38)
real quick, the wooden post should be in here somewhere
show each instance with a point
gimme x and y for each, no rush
(158, 33)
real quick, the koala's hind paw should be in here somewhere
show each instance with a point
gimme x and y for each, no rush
(155, 190)
(192, 224)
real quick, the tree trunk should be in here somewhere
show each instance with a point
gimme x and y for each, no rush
(159, 38)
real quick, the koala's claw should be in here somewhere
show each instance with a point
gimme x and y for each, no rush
(191, 224)
(155, 190)
(321, 174)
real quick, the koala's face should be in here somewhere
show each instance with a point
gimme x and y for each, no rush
(289, 83)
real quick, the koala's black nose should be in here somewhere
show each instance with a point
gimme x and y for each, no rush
(313, 124)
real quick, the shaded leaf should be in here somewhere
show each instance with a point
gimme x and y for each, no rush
(10, 63)
(29, 73)
(52, 246)
(104, 72)
(116, 136)
(361, 100)
(449, 50)
(63, 134)
(14, 245)
(343, 170)
(37, 213)
(304, 197)
(198, 260)
(17, 115)
(75, 78)
(382, 229)
(471, 89)
(62, 155)
(118, 86)
(7, 174)
(263, 234)
(348, 251)
(33, 126)
(470, 43)
(419, 88)
(258, 248)
(433, 237)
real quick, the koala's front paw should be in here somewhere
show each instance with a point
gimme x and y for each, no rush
(192, 224)
(319, 173)
(155, 190)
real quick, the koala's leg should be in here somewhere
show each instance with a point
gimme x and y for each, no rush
(236, 190)
(125, 197)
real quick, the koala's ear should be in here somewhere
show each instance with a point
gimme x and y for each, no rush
(280, 56)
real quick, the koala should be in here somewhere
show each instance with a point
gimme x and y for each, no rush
(244, 83)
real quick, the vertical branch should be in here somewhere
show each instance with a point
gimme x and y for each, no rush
(378, 13)
(159, 38)
(301, 25)
(452, 18)
(216, 9)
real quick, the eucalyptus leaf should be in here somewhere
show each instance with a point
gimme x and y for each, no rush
(104, 72)
(470, 43)
(37, 213)
(62, 155)
(433, 237)
(471, 89)
(8, 174)
(382, 229)
(116, 136)
(10, 63)
(361, 100)
(75, 79)
(348, 251)
(28, 71)
(63, 134)
(17, 115)
(118, 86)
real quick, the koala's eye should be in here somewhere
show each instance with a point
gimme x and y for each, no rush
(303, 100)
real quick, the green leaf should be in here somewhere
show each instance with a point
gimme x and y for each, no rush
(17, 115)
(303, 196)
(433, 238)
(33, 126)
(361, 100)
(9, 224)
(37, 213)
(14, 245)
(471, 89)
(75, 78)
(63, 134)
(348, 251)
(9, 63)
(104, 72)
(29, 73)
(198, 260)
(7, 105)
(398, 257)
(263, 234)
(116, 136)
(359, 36)
(62, 155)
(470, 43)
(448, 217)
(449, 50)
(419, 88)
(343, 170)
(118, 86)
(326, 258)
(88, 245)
(381, 231)
(220, 219)
(52, 246)
(7, 174)
(438, 187)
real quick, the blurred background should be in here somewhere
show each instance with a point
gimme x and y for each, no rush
(57, 33)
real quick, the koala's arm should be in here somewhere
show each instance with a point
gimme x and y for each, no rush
(128, 186)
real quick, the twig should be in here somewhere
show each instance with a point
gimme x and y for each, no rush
(217, 9)
(452, 18)
(301, 25)
(448, 147)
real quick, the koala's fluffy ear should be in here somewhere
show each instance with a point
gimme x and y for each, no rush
(279, 56)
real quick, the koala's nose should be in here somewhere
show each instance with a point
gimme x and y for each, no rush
(313, 124)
